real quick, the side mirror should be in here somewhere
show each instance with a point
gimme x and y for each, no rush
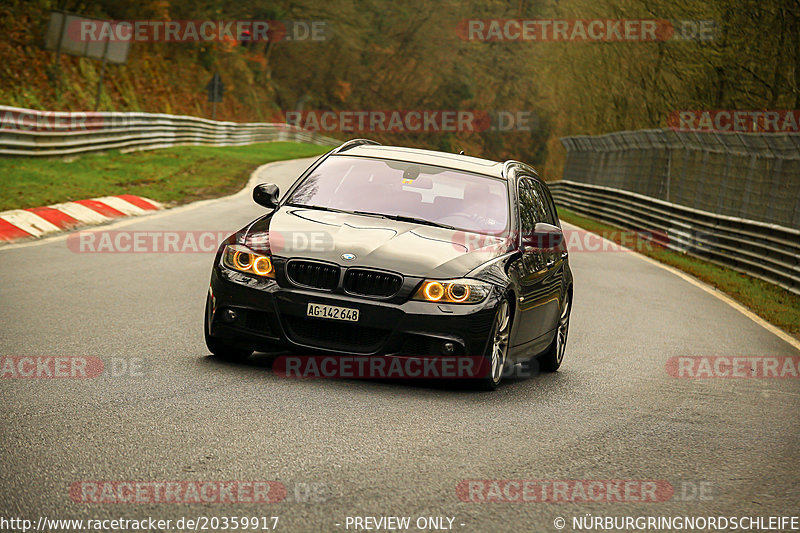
(544, 237)
(266, 194)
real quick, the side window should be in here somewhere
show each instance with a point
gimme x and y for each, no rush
(548, 211)
(551, 204)
(536, 201)
(527, 209)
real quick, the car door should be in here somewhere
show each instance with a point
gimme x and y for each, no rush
(539, 270)
(555, 256)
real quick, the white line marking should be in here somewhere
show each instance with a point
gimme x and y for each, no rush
(713, 292)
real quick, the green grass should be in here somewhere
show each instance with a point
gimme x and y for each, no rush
(170, 175)
(772, 303)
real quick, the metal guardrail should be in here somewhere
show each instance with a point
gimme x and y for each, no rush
(748, 175)
(766, 251)
(26, 132)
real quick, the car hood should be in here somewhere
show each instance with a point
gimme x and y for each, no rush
(408, 248)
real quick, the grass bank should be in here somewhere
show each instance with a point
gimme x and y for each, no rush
(171, 175)
(774, 304)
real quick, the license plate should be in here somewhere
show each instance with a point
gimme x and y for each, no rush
(332, 312)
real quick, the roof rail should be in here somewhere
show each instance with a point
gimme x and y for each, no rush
(352, 143)
(509, 165)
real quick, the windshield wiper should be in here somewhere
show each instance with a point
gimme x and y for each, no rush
(399, 218)
(319, 207)
(403, 218)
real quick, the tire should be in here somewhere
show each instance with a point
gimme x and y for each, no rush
(497, 349)
(551, 360)
(218, 348)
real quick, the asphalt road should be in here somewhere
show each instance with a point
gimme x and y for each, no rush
(367, 448)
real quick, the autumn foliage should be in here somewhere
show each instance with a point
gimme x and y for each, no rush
(414, 56)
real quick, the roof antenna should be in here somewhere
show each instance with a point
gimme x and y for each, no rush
(461, 152)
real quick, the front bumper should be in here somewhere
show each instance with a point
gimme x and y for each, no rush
(270, 315)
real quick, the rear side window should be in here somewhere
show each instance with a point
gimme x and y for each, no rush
(548, 210)
(551, 205)
(533, 199)
(527, 206)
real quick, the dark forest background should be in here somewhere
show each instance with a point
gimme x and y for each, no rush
(408, 55)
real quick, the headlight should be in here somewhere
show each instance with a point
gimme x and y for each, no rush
(457, 291)
(241, 258)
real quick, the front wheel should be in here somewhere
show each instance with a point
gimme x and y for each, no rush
(551, 359)
(497, 350)
(219, 348)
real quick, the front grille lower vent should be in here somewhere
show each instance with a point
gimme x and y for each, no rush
(335, 335)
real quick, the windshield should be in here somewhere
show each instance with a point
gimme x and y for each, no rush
(436, 195)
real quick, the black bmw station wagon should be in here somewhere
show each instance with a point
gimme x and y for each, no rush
(405, 253)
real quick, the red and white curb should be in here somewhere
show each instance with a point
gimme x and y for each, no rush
(20, 224)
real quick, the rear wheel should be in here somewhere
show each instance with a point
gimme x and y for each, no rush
(551, 359)
(219, 348)
(497, 351)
